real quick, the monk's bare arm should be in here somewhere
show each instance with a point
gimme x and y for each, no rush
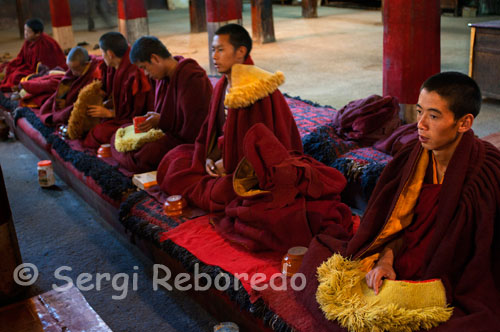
(97, 111)
(383, 269)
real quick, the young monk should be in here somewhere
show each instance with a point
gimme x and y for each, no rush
(434, 212)
(82, 70)
(203, 172)
(128, 89)
(182, 98)
(38, 47)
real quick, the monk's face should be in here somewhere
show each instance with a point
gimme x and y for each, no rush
(30, 35)
(152, 68)
(438, 130)
(77, 68)
(225, 55)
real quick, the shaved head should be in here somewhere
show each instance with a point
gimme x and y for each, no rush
(78, 54)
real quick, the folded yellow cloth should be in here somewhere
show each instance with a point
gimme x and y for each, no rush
(343, 295)
(127, 140)
(251, 83)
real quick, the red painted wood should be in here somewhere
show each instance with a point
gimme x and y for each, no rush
(60, 13)
(131, 9)
(411, 46)
(223, 10)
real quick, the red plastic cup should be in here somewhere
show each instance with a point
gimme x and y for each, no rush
(137, 121)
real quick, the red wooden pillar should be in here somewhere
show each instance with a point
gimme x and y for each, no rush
(309, 8)
(197, 16)
(219, 13)
(412, 31)
(132, 19)
(262, 21)
(62, 29)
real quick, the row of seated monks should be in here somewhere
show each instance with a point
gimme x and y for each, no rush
(235, 152)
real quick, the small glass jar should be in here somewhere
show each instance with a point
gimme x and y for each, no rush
(104, 151)
(173, 205)
(290, 264)
(46, 176)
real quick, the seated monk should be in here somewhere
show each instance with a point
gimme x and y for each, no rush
(182, 98)
(434, 213)
(37, 47)
(202, 172)
(82, 71)
(127, 87)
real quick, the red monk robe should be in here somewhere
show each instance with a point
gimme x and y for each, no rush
(44, 49)
(462, 249)
(132, 95)
(284, 197)
(183, 103)
(68, 89)
(182, 170)
(37, 90)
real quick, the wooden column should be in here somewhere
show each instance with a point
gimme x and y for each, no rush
(20, 17)
(132, 19)
(219, 13)
(197, 16)
(62, 29)
(309, 8)
(411, 49)
(262, 21)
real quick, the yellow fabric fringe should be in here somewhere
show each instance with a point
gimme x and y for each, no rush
(400, 305)
(127, 140)
(249, 84)
(79, 122)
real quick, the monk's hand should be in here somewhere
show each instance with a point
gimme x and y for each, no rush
(383, 269)
(60, 103)
(210, 167)
(219, 167)
(152, 121)
(374, 278)
(97, 111)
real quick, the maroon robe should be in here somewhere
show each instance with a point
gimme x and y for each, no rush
(49, 113)
(183, 103)
(295, 199)
(463, 249)
(44, 49)
(39, 89)
(132, 95)
(182, 170)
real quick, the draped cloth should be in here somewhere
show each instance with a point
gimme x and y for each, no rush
(132, 95)
(68, 90)
(183, 103)
(43, 50)
(182, 170)
(284, 197)
(463, 248)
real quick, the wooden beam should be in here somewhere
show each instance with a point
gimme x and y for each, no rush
(197, 16)
(309, 8)
(262, 21)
